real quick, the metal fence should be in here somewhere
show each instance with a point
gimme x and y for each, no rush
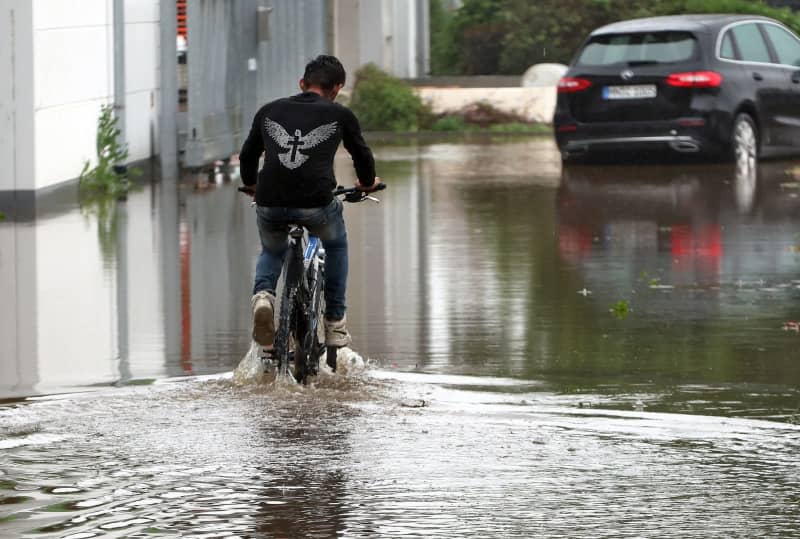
(241, 54)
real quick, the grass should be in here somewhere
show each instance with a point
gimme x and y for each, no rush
(457, 124)
(522, 128)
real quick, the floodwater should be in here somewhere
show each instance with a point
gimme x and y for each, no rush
(598, 351)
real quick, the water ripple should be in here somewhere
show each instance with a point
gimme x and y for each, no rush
(481, 457)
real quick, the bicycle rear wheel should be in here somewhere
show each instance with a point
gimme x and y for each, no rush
(309, 345)
(287, 319)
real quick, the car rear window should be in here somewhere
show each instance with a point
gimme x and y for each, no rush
(639, 48)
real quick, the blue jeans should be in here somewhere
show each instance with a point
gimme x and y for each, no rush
(327, 223)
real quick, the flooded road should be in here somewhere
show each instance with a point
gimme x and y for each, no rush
(593, 351)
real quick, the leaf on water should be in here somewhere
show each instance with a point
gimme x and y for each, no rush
(620, 309)
(61, 507)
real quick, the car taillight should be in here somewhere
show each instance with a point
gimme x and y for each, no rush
(572, 84)
(695, 79)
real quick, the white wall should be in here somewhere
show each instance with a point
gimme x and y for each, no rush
(73, 77)
(142, 72)
(16, 95)
(60, 58)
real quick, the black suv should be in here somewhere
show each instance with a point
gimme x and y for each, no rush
(720, 85)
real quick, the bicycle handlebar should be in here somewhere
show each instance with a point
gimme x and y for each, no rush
(351, 194)
(354, 194)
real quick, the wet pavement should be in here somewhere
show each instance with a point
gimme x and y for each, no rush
(593, 351)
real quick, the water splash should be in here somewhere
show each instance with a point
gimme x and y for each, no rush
(353, 376)
(251, 368)
(350, 363)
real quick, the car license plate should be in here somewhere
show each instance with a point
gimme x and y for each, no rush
(634, 91)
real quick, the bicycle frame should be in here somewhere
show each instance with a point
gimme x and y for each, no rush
(301, 304)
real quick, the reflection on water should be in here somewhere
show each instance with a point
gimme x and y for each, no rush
(472, 264)
(509, 401)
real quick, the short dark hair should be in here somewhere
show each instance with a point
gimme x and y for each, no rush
(324, 71)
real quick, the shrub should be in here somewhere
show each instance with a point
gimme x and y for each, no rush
(508, 36)
(104, 177)
(384, 103)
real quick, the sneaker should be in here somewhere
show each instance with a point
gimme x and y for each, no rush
(263, 318)
(336, 333)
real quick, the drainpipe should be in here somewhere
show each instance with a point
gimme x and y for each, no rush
(119, 71)
(168, 131)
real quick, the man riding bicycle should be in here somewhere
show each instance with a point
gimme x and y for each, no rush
(299, 136)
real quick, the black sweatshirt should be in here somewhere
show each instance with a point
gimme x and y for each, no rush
(300, 135)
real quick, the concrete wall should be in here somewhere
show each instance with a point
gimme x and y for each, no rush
(389, 33)
(142, 72)
(61, 63)
(532, 104)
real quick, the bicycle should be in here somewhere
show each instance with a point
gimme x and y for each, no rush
(301, 303)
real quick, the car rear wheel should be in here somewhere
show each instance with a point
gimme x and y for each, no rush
(744, 142)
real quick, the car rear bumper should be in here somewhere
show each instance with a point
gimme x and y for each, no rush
(686, 135)
(678, 143)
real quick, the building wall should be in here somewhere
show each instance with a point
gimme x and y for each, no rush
(344, 27)
(61, 63)
(391, 34)
(142, 84)
(298, 33)
(16, 96)
(73, 77)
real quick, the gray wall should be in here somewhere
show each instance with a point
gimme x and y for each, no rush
(298, 33)
(235, 67)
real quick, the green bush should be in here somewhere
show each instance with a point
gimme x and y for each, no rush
(750, 7)
(508, 36)
(444, 52)
(384, 103)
